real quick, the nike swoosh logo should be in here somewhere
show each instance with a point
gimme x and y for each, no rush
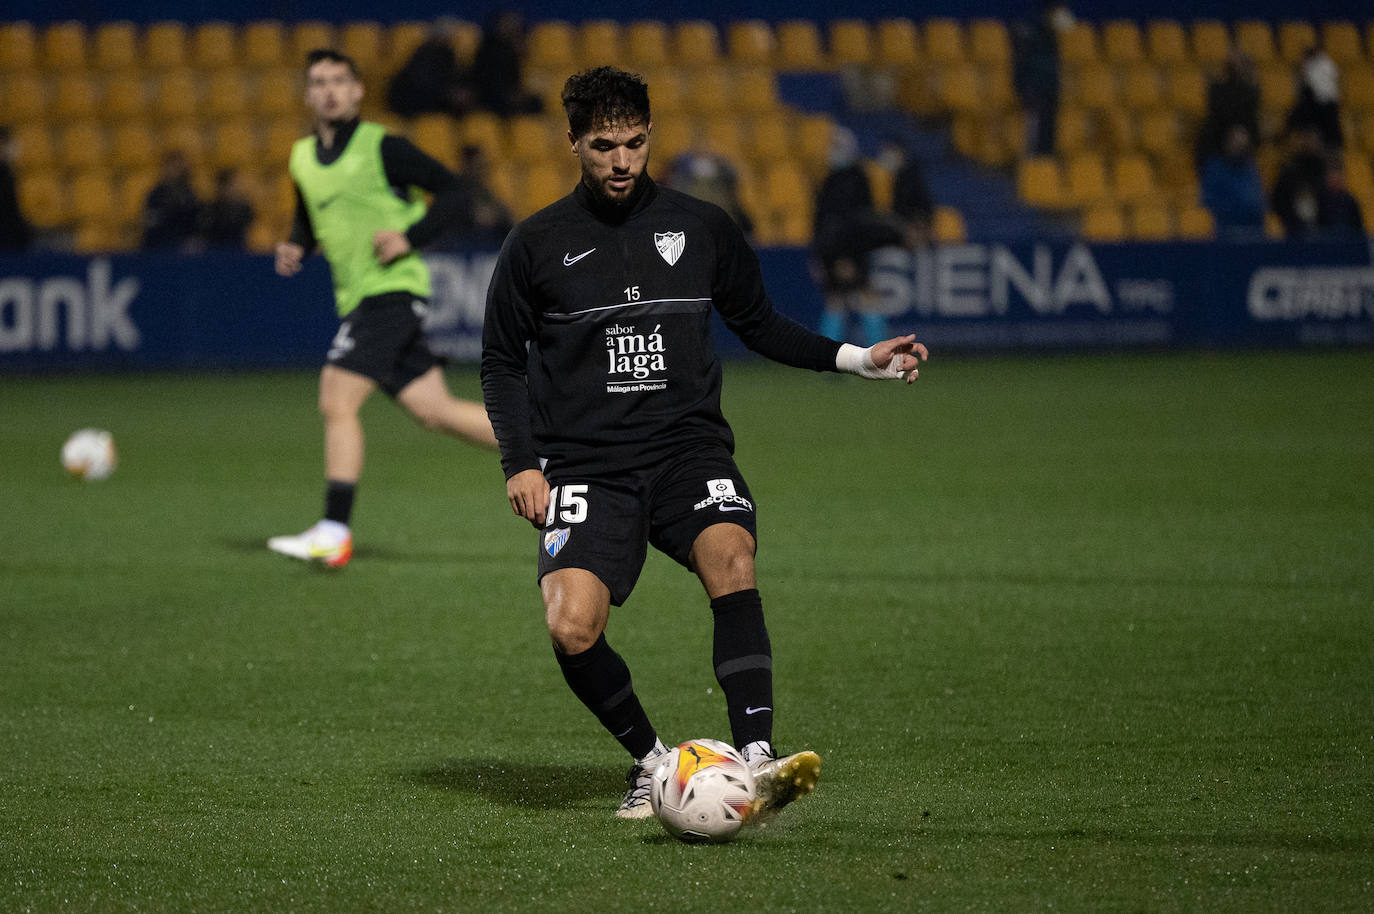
(756, 710)
(324, 204)
(732, 508)
(569, 260)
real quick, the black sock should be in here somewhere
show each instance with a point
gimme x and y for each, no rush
(600, 679)
(338, 500)
(743, 660)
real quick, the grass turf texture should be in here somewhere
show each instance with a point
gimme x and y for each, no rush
(1089, 634)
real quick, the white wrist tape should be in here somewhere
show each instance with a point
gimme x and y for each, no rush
(855, 360)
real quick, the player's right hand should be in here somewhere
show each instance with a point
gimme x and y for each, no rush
(528, 492)
(289, 257)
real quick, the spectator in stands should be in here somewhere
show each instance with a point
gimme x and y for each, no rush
(1035, 47)
(912, 205)
(1298, 190)
(498, 68)
(1231, 187)
(1232, 100)
(1319, 96)
(171, 210)
(15, 232)
(847, 230)
(432, 81)
(708, 176)
(226, 218)
(480, 217)
(1338, 212)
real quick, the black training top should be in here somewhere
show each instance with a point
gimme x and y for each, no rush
(596, 349)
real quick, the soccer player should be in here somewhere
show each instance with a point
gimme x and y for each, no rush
(358, 198)
(602, 384)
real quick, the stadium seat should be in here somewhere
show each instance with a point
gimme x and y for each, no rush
(184, 137)
(1121, 42)
(896, 44)
(1078, 46)
(1133, 179)
(1151, 221)
(1073, 130)
(176, 95)
(76, 95)
(945, 41)
(1140, 88)
(947, 226)
(960, 88)
(33, 147)
(646, 43)
(850, 43)
(666, 90)
(214, 46)
(437, 135)
(1357, 89)
(989, 42)
(724, 136)
(880, 181)
(227, 93)
(92, 196)
(234, 144)
(18, 47)
(130, 192)
(532, 138)
(797, 46)
(64, 47)
(279, 135)
(43, 198)
(465, 39)
(116, 46)
(1211, 42)
(550, 45)
(481, 128)
(544, 183)
(23, 99)
(1166, 42)
(279, 92)
(1097, 89)
(696, 43)
(1085, 179)
(1159, 132)
(1195, 223)
(1039, 182)
(126, 97)
(786, 187)
(264, 44)
(709, 91)
(672, 137)
(305, 37)
(165, 46)
(1186, 90)
(81, 144)
(1254, 38)
(1359, 178)
(1104, 222)
(362, 41)
(1341, 41)
(811, 135)
(402, 38)
(998, 91)
(133, 145)
(1278, 89)
(755, 91)
(598, 42)
(769, 138)
(1295, 37)
(750, 41)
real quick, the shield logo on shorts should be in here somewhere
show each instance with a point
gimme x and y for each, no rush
(670, 245)
(554, 540)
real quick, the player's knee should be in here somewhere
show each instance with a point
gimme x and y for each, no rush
(568, 634)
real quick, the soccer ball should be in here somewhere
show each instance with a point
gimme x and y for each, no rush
(89, 454)
(702, 791)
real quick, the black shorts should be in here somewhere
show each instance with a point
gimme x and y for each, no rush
(383, 339)
(604, 524)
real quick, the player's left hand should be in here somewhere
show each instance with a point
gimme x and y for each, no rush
(900, 355)
(389, 245)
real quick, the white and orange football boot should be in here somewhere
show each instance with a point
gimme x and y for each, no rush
(328, 542)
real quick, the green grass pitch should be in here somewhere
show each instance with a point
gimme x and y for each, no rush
(1070, 633)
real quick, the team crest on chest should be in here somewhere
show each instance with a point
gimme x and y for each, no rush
(670, 245)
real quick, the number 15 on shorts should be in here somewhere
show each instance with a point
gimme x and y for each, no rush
(567, 505)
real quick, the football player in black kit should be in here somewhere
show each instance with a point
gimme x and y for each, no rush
(604, 392)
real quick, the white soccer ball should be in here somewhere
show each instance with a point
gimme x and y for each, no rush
(89, 454)
(702, 791)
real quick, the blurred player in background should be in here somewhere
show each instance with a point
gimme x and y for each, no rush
(358, 199)
(604, 389)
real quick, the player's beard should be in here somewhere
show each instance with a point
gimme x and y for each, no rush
(616, 204)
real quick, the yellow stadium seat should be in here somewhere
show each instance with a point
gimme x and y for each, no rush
(850, 42)
(165, 46)
(214, 45)
(785, 186)
(1278, 89)
(81, 144)
(945, 41)
(93, 195)
(812, 133)
(665, 90)
(755, 91)
(798, 46)
(750, 41)
(1104, 222)
(709, 91)
(116, 45)
(1186, 90)
(25, 98)
(1195, 223)
(960, 89)
(1254, 38)
(131, 190)
(402, 38)
(176, 94)
(793, 226)
(278, 137)
(465, 39)
(947, 226)
(1133, 179)
(1085, 179)
(362, 41)
(264, 44)
(1341, 41)
(481, 128)
(989, 42)
(1211, 42)
(1121, 42)
(1359, 176)
(307, 36)
(1078, 46)
(1294, 38)
(1039, 182)
(186, 138)
(1140, 87)
(33, 147)
(1166, 42)
(1357, 88)
(64, 47)
(43, 198)
(234, 144)
(126, 97)
(598, 42)
(724, 136)
(75, 95)
(227, 93)
(133, 145)
(1097, 88)
(436, 135)
(999, 93)
(550, 45)
(18, 47)
(532, 138)
(543, 184)
(1159, 132)
(1073, 129)
(1151, 221)
(646, 43)
(770, 138)
(671, 138)
(696, 43)
(280, 91)
(896, 43)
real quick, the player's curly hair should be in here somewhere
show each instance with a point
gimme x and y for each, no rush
(604, 96)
